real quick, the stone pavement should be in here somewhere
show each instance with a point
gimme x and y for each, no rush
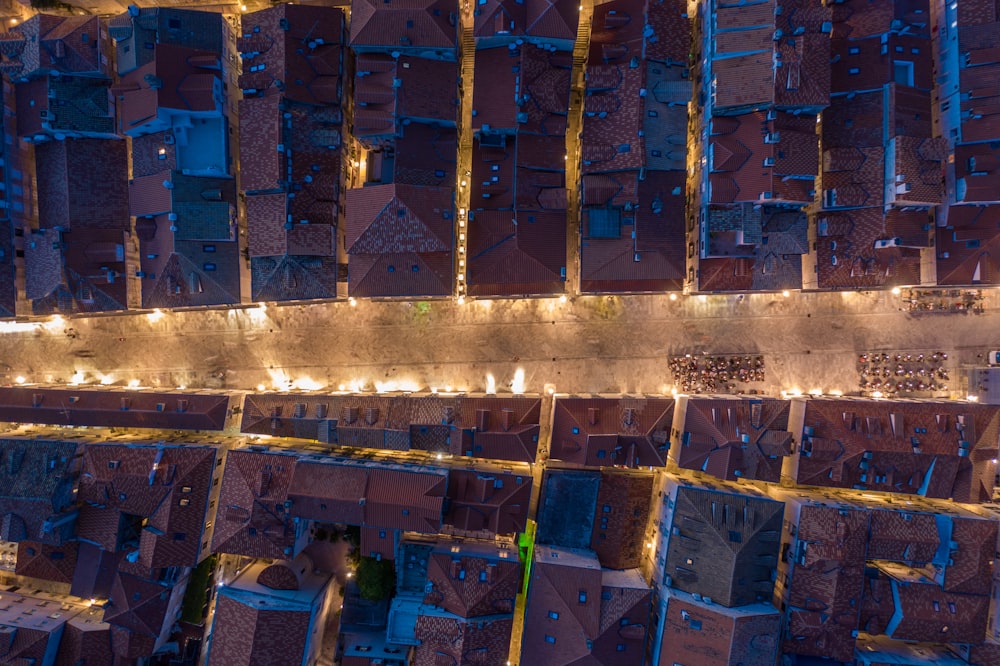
(586, 344)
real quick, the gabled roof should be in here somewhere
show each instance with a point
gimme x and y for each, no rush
(671, 28)
(446, 637)
(529, 94)
(64, 105)
(516, 253)
(81, 184)
(754, 158)
(37, 477)
(137, 611)
(86, 639)
(694, 631)
(404, 24)
(654, 259)
(936, 449)
(188, 28)
(178, 79)
(469, 582)
(168, 486)
(488, 500)
(297, 50)
(244, 634)
(622, 509)
(965, 249)
(723, 545)
(83, 406)
(628, 432)
(65, 44)
(580, 614)
(47, 562)
(756, 430)
(400, 240)
(252, 519)
(293, 278)
(824, 595)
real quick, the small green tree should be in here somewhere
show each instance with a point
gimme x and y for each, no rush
(376, 578)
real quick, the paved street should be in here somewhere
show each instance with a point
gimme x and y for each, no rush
(587, 344)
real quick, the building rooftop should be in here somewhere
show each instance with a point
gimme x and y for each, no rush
(139, 33)
(400, 240)
(48, 106)
(935, 449)
(404, 24)
(722, 545)
(629, 432)
(736, 439)
(65, 44)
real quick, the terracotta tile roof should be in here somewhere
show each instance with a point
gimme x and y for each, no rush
(95, 571)
(858, 19)
(81, 184)
(827, 578)
(743, 147)
(529, 91)
(970, 569)
(188, 80)
(404, 24)
(8, 286)
(379, 543)
(578, 613)
(502, 428)
(147, 159)
(261, 164)
(293, 278)
(425, 155)
(304, 42)
(613, 119)
(694, 631)
(400, 224)
(469, 585)
(499, 18)
(138, 612)
(854, 262)
(400, 219)
(965, 246)
(417, 508)
(86, 639)
(428, 90)
(723, 545)
(626, 432)
(71, 106)
(167, 485)
(487, 500)
(266, 218)
(47, 562)
(252, 520)
(977, 172)
(671, 27)
(163, 25)
(243, 634)
(755, 429)
(553, 19)
(513, 253)
(36, 489)
(845, 441)
(65, 44)
(316, 240)
(444, 637)
(623, 501)
(867, 64)
(83, 406)
(916, 618)
(745, 45)
(329, 493)
(616, 33)
(665, 119)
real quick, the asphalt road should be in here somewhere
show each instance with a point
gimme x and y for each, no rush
(588, 344)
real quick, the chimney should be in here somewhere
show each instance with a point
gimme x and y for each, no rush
(628, 415)
(449, 414)
(321, 410)
(506, 419)
(36, 399)
(371, 415)
(593, 413)
(483, 419)
(182, 405)
(300, 410)
(351, 415)
(126, 403)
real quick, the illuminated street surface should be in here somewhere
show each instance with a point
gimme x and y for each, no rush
(585, 344)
